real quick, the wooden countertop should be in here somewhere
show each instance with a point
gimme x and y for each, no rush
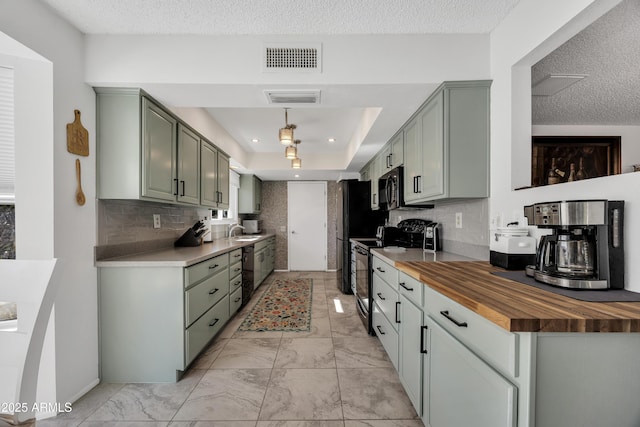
(517, 307)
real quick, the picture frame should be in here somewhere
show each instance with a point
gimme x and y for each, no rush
(558, 159)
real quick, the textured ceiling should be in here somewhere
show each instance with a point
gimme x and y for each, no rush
(232, 17)
(609, 52)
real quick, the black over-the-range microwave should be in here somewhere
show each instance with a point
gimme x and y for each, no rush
(391, 191)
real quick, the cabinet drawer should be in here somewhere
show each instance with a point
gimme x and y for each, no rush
(199, 298)
(235, 256)
(235, 269)
(235, 283)
(235, 301)
(260, 245)
(197, 272)
(387, 300)
(410, 288)
(489, 341)
(200, 333)
(387, 272)
(387, 335)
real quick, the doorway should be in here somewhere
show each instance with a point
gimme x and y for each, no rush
(307, 225)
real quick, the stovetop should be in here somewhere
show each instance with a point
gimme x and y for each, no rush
(368, 242)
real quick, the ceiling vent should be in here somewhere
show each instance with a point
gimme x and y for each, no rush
(281, 57)
(293, 96)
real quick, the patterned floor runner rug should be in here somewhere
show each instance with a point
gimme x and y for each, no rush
(284, 306)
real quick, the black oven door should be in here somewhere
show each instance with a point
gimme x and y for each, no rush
(363, 286)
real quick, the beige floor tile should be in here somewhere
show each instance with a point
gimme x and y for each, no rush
(249, 353)
(302, 394)
(226, 394)
(373, 393)
(366, 352)
(306, 353)
(212, 424)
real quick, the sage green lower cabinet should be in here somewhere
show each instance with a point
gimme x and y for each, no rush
(154, 321)
(462, 389)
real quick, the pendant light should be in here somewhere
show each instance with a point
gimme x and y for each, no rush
(291, 152)
(296, 163)
(286, 133)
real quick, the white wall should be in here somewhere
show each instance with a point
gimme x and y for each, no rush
(532, 30)
(46, 213)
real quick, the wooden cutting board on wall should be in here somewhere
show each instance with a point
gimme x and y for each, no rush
(77, 137)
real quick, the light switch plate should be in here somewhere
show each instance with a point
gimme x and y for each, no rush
(156, 221)
(458, 219)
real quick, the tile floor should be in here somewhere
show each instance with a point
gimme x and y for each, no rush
(333, 376)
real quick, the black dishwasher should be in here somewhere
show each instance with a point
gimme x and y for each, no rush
(247, 273)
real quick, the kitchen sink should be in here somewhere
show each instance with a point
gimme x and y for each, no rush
(246, 238)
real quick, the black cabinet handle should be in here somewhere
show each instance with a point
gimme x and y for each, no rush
(380, 330)
(213, 291)
(415, 180)
(380, 270)
(405, 286)
(214, 322)
(418, 182)
(380, 296)
(182, 182)
(397, 311)
(237, 299)
(459, 324)
(211, 267)
(422, 349)
(176, 181)
(237, 283)
(390, 160)
(237, 269)
(237, 255)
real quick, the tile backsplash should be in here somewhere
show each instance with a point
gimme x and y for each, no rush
(7, 232)
(471, 240)
(126, 226)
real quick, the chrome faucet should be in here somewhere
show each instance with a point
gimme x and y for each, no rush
(232, 228)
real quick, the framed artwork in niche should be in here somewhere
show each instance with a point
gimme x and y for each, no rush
(557, 159)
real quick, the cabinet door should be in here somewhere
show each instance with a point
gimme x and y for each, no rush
(257, 194)
(188, 166)
(413, 160)
(223, 181)
(410, 369)
(364, 174)
(374, 175)
(431, 183)
(159, 179)
(208, 175)
(384, 159)
(462, 390)
(397, 151)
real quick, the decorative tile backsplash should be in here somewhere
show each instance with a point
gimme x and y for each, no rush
(126, 226)
(7, 232)
(471, 240)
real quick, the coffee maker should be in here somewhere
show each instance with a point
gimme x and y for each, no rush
(585, 249)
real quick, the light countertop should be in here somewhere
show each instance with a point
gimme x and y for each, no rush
(179, 257)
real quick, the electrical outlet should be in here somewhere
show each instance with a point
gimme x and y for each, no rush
(458, 219)
(156, 221)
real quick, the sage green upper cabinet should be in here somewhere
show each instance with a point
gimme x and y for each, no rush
(392, 155)
(250, 194)
(447, 144)
(223, 181)
(188, 166)
(146, 153)
(364, 173)
(214, 177)
(374, 175)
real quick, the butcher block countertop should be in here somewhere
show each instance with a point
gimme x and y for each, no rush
(517, 307)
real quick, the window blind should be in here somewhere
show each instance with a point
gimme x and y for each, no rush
(7, 137)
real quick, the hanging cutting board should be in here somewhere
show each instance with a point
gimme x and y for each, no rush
(77, 137)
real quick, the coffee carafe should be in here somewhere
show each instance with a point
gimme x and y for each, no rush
(585, 249)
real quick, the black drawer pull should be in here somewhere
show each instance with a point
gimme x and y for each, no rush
(380, 296)
(237, 269)
(181, 195)
(380, 330)
(177, 184)
(237, 283)
(213, 291)
(446, 314)
(214, 322)
(237, 255)
(211, 267)
(405, 286)
(397, 311)
(237, 299)
(422, 349)
(380, 270)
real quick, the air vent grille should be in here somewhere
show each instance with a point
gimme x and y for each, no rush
(289, 58)
(293, 96)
